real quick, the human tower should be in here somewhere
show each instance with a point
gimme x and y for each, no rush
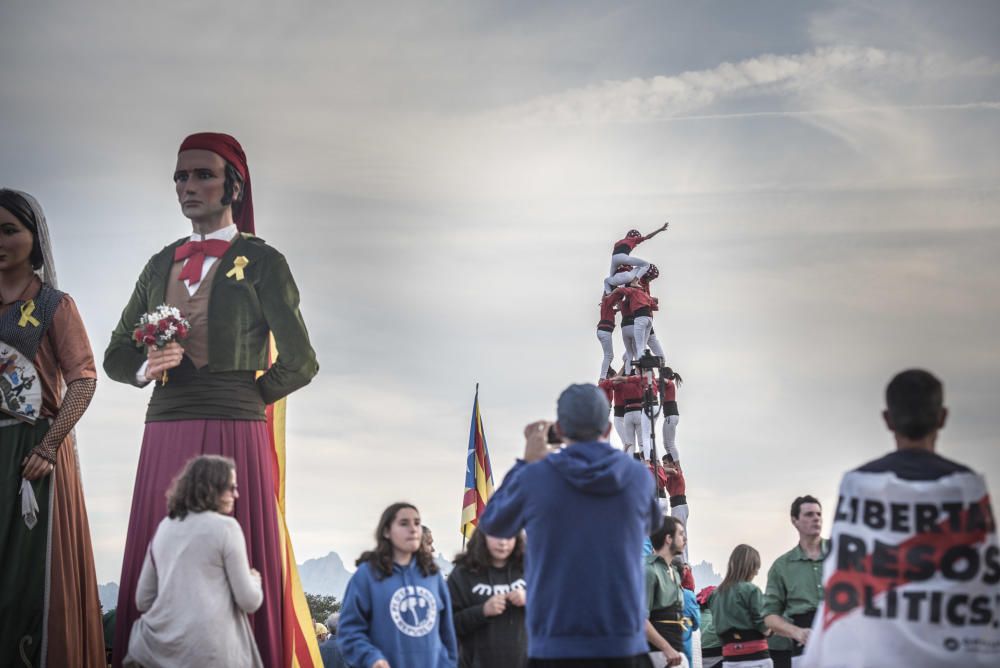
(644, 388)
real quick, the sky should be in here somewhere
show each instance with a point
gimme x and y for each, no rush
(446, 180)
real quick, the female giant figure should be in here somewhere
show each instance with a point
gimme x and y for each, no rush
(49, 609)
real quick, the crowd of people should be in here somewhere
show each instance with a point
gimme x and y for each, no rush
(584, 596)
(580, 558)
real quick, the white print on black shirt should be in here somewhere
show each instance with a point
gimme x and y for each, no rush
(413, 611)
(483, 589)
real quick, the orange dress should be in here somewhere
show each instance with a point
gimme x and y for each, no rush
(49, 606)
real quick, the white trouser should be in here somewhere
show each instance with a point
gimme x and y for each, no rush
(618, 259)
(711, 662)
(660, 661)
(640, 335)
(670, 436)
(628, 338)
(619, 423)
(639, 269)
(628, 332)
(654, 344)
(609, 352)
(755, 663)
(681, 513)
(637, 431)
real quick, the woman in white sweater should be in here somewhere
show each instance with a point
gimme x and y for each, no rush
(196, 585)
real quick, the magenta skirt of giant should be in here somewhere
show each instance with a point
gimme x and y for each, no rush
(166, 447)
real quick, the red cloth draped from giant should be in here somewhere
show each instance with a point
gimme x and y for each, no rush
(230, 150)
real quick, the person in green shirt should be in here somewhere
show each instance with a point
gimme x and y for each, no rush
(737, 613)
(795, 584)
(664, 598)
(711, 646)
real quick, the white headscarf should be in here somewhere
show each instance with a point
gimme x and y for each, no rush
(48, 270)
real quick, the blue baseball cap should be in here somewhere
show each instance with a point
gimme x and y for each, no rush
(582, 411)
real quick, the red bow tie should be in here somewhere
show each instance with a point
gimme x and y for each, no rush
(196, 251)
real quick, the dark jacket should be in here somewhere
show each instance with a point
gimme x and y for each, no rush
(330, 653)
(488, 642)
(587, 510)
(241, 315)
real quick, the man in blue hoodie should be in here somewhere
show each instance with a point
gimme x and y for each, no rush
(586, 509)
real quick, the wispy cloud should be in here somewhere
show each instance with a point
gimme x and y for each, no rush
(677, 96)
(867, 109)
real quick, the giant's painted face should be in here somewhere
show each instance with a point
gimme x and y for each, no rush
(200, 181)
(16, 242)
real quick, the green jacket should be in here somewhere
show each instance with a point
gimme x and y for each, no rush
(709, 638)
(241, 314)
(738, 608)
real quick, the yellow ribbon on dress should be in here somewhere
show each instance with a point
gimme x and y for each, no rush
(26, 317)
(238, 265)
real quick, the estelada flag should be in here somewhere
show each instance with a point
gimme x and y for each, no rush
(298, 631)
(478, 473)
(911, 579)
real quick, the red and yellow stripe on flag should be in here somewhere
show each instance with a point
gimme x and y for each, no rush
(298, 633)
(478, 473)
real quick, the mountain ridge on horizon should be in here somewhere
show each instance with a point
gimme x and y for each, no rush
(328, 576)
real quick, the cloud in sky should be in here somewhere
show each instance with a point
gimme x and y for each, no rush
(446, 184)
(666, 96)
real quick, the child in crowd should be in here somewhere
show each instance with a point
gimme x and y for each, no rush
(397, 609)
(488, 597)
(736, 613)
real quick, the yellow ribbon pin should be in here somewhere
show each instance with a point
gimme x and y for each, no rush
(238, 265)
(26, 317)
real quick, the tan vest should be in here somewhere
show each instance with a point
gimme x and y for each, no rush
(194, 308)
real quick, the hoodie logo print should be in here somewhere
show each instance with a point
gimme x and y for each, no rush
(483, 589)
(413, 611)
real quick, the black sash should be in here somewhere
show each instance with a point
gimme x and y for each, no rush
(805, 621)
(740, 635)
(667, 622)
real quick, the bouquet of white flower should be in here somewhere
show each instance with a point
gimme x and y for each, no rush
(165, 324)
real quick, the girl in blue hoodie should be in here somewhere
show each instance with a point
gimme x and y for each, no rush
(397, 611)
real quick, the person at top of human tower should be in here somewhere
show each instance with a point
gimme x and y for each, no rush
(621, 253)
